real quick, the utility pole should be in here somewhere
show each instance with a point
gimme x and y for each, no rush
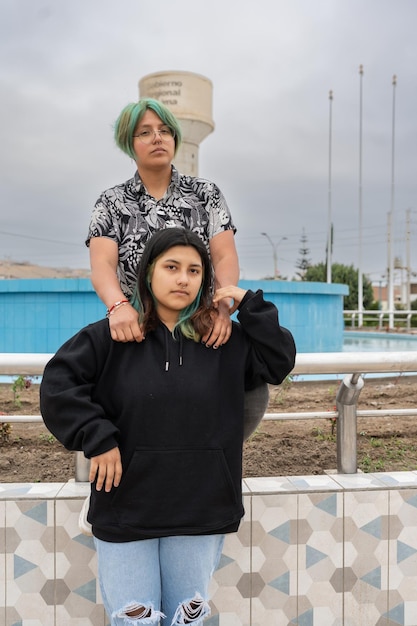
(391, 218)
(329, 207)
(360, 276)
(408, 259)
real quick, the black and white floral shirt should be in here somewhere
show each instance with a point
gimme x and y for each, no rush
(128, 215)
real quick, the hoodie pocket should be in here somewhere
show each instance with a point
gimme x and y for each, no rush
(173, 490)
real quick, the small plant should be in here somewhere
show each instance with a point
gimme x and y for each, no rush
(369, 465)
(379, 466)
(282, 390)
(5, 430)
(320, 435)
(332, 390)
(375, 442)
(19, 384)
(366, 463)
(47, 437)
(333, 423)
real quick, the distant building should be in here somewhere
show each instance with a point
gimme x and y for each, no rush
(380, 294)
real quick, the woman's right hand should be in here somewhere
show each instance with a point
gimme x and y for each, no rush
(106, 469)
(124, 320)
(124, 324)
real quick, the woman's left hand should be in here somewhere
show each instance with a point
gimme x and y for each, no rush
(222, 328)
(232, 292)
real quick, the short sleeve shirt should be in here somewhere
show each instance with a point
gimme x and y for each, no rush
(128, 215)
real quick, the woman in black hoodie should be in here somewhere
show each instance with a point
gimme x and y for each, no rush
(162, 422)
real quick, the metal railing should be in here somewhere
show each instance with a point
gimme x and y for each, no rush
(350, 364)
(402, 319)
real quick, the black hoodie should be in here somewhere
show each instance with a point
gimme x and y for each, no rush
(175, 409)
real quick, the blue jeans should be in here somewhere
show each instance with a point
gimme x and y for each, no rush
(145, 581)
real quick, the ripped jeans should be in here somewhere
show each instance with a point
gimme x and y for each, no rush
(158, 581)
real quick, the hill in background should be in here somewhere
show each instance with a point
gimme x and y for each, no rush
(12, 269)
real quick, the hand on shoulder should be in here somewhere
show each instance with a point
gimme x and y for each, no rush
(232, 291)
(124, 324)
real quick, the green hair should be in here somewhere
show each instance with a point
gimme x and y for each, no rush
(184, 323)
(129, 118)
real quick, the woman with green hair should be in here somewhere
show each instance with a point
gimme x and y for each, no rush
(158, 196)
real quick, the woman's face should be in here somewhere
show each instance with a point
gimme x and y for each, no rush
(161, 149)
(176, 279)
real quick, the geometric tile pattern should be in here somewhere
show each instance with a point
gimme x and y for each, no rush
(337, 550)
(50, 570)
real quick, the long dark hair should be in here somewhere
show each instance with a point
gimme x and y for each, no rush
(197, 318)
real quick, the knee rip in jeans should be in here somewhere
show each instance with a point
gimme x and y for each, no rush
(191, 612)
(135, 613)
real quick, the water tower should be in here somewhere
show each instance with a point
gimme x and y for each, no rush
(189, 96)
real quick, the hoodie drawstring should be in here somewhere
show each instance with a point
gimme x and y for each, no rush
(180, 348)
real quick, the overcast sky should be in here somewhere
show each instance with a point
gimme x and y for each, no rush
(68, 68)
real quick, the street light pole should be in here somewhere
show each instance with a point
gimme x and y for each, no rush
(274, 252)
(360, 275)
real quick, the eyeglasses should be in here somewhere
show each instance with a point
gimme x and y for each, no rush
(147, 135)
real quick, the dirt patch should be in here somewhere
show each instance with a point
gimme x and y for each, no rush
(29, 453)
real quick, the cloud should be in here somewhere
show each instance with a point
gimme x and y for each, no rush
(68, 68)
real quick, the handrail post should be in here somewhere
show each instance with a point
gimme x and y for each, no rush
(82, 468)
(346, 404)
